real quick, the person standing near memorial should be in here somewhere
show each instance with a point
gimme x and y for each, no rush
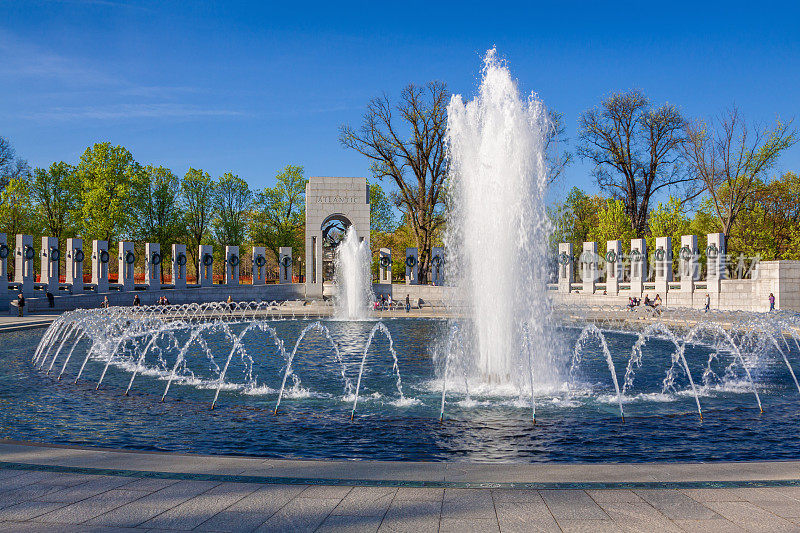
(20, 304)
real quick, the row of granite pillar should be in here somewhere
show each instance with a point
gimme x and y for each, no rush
(688, 270)
(50, 256)
(412, 266)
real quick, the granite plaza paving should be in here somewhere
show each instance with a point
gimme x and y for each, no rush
(62, 489)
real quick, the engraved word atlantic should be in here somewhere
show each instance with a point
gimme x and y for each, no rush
(337, 200)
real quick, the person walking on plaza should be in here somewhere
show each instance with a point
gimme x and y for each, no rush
(408, 304)
(771, 302)
(708, 302)
(136, 301)
(105, 304)
(20, 303)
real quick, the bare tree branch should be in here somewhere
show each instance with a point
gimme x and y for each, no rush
(731, 160)
(416, 164)
(636, 151)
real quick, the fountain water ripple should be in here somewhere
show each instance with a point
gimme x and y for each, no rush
(677, 355)
(168, 342)
(238, 345)
(717, 329)
(382, 328)
(318, 327)
(127, 337)
(593, 331)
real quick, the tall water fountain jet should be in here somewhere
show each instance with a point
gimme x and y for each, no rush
(498, 231)
(353, 279)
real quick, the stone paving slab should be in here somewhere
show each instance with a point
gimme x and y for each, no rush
(206, 506)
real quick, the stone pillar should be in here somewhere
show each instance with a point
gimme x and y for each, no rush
(152, 265)
(179, 262)
(614, 266)
(565, 267)
(100, 259)
(313, 262)
(127, 262)
(285, 264)
(437, 265)
(50, 259)
(75, 257)
(385, 266)
(589, 267)
(715, 261)
(259, 265)
(638, 266)
(689, 264)
(23, 264)
(663, 263)
(205, 267)
(231, 265)
(412, 267)
(5, 251)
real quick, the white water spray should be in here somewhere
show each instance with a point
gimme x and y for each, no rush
(353, 279)
(497, 239)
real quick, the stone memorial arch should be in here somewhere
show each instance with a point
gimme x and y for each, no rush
(332, 206)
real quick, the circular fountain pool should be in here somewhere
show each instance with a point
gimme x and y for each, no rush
(399, 402)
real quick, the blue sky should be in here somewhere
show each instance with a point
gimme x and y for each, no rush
(252, 87)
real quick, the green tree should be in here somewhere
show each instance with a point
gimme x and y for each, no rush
(381, 212)
(668, 220)
(232, 203)
(108, 176)
(613, 224)
(156, 212)
(279, 215)
(731, 161)
(16, 210)
(197, 193)
(769, 224)
(576, 218)
(56, 197)
(704, 221)
(11, 166)
(400, 239)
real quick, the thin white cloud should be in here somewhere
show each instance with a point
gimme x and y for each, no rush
(23, 60)
(107, 3)
(158, 91)
(131, 111)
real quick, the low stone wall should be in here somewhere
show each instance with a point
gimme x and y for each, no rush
(781, 278)
(428, 293)
(216, 293)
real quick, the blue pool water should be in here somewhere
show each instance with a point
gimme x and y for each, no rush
(314, 418)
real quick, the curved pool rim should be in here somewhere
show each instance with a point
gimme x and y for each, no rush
(88, 460)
